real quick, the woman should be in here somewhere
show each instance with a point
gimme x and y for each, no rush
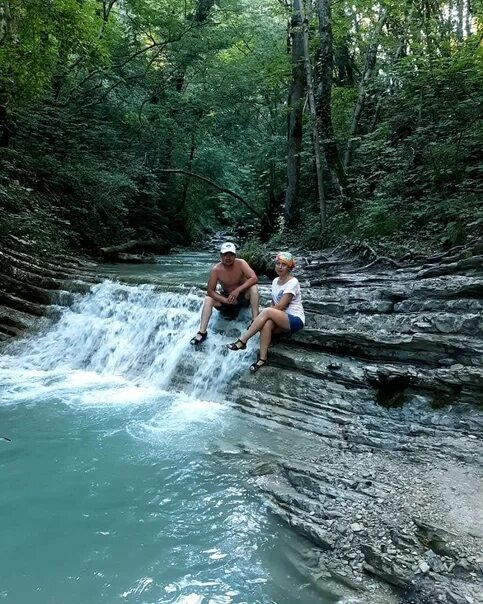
(285, 315)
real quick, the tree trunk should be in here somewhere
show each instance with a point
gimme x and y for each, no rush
(5, 22)
(449, 21)
(468, 18)
(461, 21)
(295, 104)
(7, 127)
(400, 52)
(217, 186)
(186, 185)
(344, 67)
(323, 97)
(272, 209)
(106, 11)
(203, 8)
(369, 68)
(319, 157)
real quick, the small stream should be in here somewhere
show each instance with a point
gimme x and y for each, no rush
(125, 478)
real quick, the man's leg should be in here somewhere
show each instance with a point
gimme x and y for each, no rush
(206, 311)
(254, 298)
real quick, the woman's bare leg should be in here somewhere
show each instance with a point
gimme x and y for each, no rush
(268, 330)
(254, 298)
(278, 317)
(266, 338)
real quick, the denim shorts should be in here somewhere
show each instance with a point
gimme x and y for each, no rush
(296, 323)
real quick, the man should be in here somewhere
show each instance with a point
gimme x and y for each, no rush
(239, 290)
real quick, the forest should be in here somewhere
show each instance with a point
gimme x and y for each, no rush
(307, 122)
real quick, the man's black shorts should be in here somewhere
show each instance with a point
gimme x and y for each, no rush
(230, 311)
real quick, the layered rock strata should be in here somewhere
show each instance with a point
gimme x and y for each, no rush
(385, 388)
(32, 287)
(382, 396)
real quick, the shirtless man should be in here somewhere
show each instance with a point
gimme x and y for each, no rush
(239, 290)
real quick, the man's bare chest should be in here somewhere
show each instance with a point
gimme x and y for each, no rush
(229, 280)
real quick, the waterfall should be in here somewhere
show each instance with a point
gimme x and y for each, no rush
(125, 463)
(137, 334)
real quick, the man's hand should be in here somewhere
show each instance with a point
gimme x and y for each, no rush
(233, 296)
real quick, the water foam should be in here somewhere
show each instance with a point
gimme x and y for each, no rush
(119, 344)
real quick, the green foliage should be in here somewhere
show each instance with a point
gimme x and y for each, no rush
(41, 38)
(414, 173)
(28, 216)
(379, 217)
(258, 257)
(95, 105)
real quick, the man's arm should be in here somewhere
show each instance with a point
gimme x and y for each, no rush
(211, 289)
(250, 280)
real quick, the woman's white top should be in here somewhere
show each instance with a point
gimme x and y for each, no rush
(292, 286)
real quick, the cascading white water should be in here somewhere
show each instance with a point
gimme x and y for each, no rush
(138, 334)
(118, 485)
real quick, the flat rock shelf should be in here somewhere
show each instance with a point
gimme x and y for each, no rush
(385, 385)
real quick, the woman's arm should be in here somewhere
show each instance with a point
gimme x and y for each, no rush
(284, 302)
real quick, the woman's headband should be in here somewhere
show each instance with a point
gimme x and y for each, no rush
(285, 258)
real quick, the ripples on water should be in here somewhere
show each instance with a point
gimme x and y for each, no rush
(112, 487)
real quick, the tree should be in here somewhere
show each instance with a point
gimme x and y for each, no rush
(324, 68)
(295, 112)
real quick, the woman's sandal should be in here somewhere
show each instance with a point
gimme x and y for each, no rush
(198, 338)
(254, 367)
(238, 345)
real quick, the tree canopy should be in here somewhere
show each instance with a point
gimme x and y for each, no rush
(327, 120)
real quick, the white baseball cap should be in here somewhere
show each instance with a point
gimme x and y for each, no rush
(228, 247)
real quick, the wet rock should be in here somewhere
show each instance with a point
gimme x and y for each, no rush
(437, 538)
(29, 286)
(384, 382)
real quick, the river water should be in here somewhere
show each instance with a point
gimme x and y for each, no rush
(125, 479)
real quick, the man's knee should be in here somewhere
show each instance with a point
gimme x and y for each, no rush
(252, 291)
(211, 302)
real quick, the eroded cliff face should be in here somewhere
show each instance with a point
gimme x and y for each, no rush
(385, 385)
(31, 286)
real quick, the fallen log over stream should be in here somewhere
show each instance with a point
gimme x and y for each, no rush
(135, 250)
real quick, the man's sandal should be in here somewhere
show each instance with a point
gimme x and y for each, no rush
(238, 345)
(198, 338)
(254, 367)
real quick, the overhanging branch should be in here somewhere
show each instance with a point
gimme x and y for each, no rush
(216, 186)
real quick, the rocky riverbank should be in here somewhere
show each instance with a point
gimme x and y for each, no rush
(385, 385)
(32, 287)
(384, 390)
